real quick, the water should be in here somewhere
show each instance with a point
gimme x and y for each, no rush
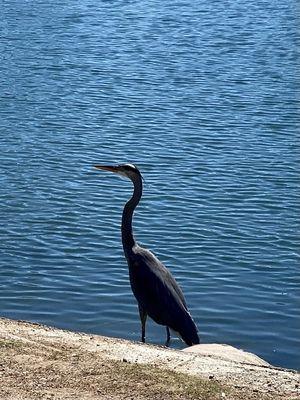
(203, 97)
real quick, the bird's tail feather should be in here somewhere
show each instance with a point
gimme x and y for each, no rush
(188, 331)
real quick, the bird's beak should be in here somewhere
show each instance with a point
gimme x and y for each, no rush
(107, 168)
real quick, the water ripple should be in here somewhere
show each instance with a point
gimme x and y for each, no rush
(202, 96)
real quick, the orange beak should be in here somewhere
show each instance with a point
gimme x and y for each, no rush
(107, 168)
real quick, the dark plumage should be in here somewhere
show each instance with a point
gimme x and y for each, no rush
(156, 291)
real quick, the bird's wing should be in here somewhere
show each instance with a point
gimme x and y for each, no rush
(155, 288)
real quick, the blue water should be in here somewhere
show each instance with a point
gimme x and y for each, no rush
(204, 98)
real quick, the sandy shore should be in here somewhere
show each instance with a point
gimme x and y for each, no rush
(40, 362)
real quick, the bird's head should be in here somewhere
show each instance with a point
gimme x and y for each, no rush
(126, 170)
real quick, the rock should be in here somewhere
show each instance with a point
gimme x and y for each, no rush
(227, 352)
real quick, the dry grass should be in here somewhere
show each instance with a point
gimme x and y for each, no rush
(37, 372)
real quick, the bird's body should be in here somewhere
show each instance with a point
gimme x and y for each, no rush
(159, 295)
(156, 291)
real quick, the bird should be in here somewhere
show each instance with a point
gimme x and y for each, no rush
(157, 293)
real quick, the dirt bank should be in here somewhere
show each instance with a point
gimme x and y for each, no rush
(39, 362)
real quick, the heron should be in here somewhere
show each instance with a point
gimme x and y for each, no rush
(157, 293)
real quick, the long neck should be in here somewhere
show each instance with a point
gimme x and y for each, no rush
(127, 233)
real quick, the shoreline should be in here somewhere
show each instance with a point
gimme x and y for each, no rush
(42, 362)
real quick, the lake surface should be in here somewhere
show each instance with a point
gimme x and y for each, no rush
(204, 98)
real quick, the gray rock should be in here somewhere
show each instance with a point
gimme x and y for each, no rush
(227, 352)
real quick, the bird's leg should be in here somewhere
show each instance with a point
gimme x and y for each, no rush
(168, 336)
(143, 316)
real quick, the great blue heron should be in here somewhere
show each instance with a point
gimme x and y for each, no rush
(156, 291)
